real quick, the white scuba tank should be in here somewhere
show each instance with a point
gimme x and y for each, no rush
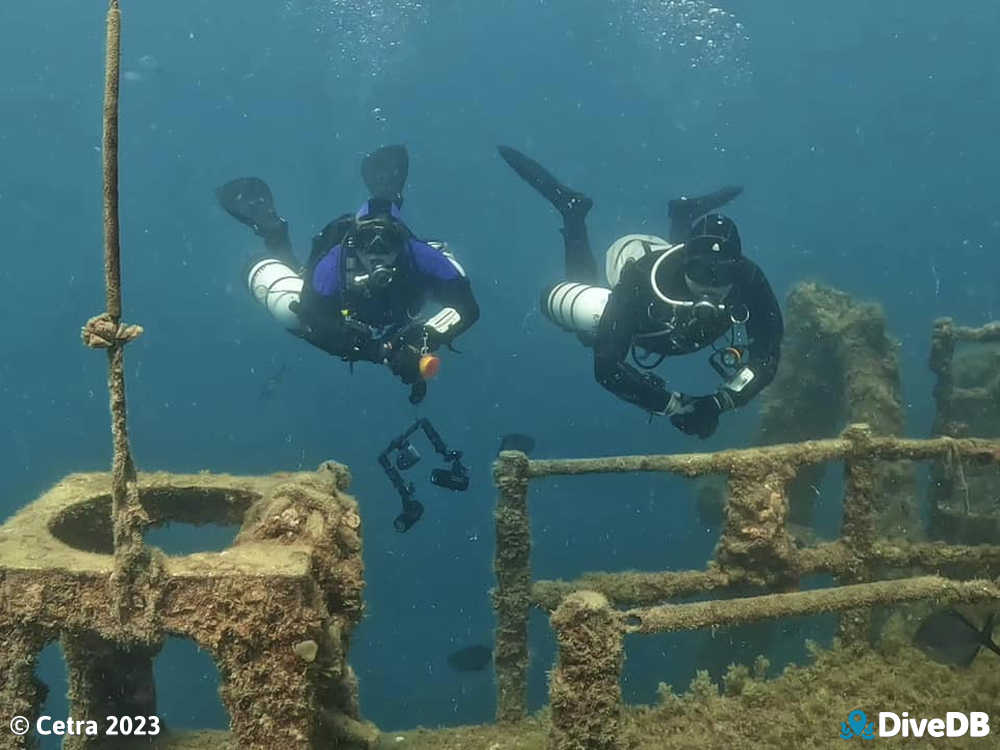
(575, 307)
(631, 247)
(578, 307)
(275, 285)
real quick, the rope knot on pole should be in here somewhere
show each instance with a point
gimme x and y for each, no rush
(104, 332)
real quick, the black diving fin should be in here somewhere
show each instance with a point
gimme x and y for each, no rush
(249, 201)
(683, 211)
(568, 202)
(384, 172)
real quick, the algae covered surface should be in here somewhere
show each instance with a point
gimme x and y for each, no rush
(801, 708)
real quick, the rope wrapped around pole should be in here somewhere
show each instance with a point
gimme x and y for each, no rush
(106, 331)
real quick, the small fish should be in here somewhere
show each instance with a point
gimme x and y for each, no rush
(471, 658)
(270, 386)
(948, 637)
(517, 441)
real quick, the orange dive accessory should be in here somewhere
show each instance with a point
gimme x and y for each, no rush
(429, 366)
(726, 361)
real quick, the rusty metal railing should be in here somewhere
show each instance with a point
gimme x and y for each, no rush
(591, 615)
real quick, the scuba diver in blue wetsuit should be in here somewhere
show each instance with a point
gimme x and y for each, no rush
(361, 294)
(666, 298)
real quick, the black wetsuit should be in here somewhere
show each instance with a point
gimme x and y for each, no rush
(633, 310)
(636, 316)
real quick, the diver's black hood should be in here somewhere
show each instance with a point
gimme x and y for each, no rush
(713, 251)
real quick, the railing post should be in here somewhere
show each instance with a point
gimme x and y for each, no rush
(942, 484)
(942, 354)
(755, 539)
(512, 596)
(585, 686)
(106, 679)
(858, 528)
(21, 692)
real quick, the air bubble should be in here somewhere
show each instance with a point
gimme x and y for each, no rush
(369, 33)
(697, 33)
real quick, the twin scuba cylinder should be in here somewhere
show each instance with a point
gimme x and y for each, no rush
(571, 305)
(577, 307)
(276, 285)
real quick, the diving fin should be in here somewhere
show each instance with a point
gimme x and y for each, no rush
(568, 202)
(249, 201)
(683, 211)
(384, 172)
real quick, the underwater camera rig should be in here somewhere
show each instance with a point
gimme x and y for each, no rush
(454, 477)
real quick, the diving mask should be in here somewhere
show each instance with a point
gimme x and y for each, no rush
(376, 245)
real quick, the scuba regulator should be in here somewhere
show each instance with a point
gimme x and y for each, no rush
(373, 247)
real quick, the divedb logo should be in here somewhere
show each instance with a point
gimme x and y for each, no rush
(954, 724)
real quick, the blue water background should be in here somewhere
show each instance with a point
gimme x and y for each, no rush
(864, 134)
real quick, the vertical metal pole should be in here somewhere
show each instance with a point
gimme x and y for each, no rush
(512, 596)
(858, 529)
(585, 685)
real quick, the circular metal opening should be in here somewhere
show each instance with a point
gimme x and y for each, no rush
(86, 525)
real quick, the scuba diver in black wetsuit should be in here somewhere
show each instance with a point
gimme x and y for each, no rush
(360, 295)
(667, 298)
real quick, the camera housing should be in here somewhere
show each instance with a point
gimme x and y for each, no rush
(407, 457)
(401, 455)
(454, 478)
(412, 512)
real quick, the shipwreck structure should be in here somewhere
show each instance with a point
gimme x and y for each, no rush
(965, 501)
(841, 365)
(275, 610)
(591, 616)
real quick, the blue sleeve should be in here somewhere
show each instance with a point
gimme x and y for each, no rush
(434, 264)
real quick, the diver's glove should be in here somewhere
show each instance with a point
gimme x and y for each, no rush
(342, 337)
(363, 347)
(405, 363)
(403, 352)
(697, 415)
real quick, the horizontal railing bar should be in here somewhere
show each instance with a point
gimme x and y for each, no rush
(932, 556)
(798, 454)
(728, 612)
(985, 334)
(634, 588)
(642, 588)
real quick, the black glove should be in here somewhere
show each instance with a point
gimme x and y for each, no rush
(697, 415)
(418, 391)
(403, 353)
(414, 335)
(362, 344)
(405, 364)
